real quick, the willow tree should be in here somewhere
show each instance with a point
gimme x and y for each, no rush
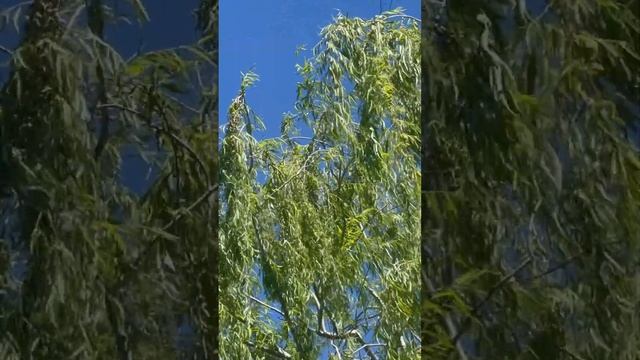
(531, 192)
(91, 269)
(319, 234)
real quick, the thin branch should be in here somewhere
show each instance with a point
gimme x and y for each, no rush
(186, 146)
(320, 308)
(165, 131)
(554, 268)
(5, 50)
(195, 204)
(365, 346)
(266, 305)
(279, 352)
(303, 167)
(321, 330)
(24, 3)
(337, 350)
(123, 108)
(183, 104)
(367, 349)
(496, 287)
(405, 16)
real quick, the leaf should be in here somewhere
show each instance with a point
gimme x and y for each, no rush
(161, 233)
(524, 133)
(135, 68)
(555, 171)
(140, 9)
(632, 157)
(168, 262)
(78, 351)
(16, 19)
(201, 54)
(470, 277)
(528, 100)
(598, 340)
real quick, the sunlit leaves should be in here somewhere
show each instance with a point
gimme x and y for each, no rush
(320, 221)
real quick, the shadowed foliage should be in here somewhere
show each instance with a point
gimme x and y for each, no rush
(90, 269)
(531, 197)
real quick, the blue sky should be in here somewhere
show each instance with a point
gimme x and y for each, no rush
(264, 35)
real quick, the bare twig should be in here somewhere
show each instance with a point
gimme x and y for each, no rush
(337, 350)
(5, 50)
(165, 131)
(195, 204)
(183, 104)
(365, 346)
(405, 17)
(554, 268)
(266, 305)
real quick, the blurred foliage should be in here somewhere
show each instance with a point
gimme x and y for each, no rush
(91, 270)
(531, 193)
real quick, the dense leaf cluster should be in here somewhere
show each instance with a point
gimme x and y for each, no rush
(91, 269)
(319, 235)
(531, 192)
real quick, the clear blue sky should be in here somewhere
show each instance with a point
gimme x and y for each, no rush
(264, 35)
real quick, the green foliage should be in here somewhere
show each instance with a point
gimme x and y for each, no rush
(107, 271)
(531, 192)
(322, 253)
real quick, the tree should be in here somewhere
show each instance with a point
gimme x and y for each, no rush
(531, 197)
(107, 272)
(318, 235)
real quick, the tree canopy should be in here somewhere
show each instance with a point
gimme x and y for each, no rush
(319, 234)
(91, 269)
(531, 197)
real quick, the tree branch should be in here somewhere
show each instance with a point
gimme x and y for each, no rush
(266, 305)
(6, 50)
(492, 291)
(405, 17)
(321, 330)
(279, 353)
(554, 268)
(165, 131)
